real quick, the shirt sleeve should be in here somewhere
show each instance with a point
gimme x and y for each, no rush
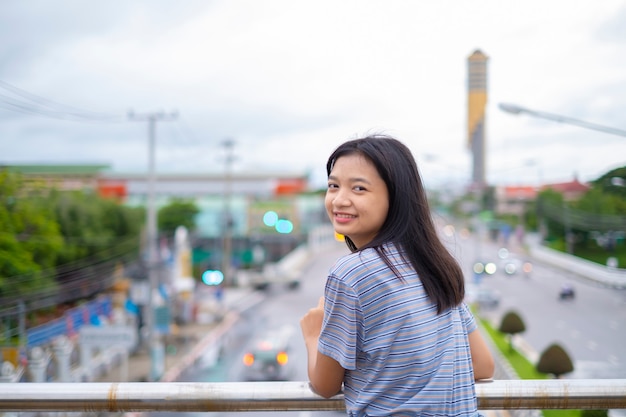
(468, 318)
(339, 338)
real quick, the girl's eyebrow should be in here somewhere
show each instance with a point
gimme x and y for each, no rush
(352, 179)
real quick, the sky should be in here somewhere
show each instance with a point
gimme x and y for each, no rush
(288, 81)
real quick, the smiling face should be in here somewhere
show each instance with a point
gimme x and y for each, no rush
(357, 199)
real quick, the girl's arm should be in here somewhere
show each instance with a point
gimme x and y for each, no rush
(325, 373)
(482, 360)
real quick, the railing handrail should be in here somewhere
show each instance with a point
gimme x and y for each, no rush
(602, 394)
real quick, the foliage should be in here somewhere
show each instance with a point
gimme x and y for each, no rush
(510, 219)
(553, 227)
(530, 219)
(512, 324)
(29, 239)
(592, 227)
(178, 212)
(594, 413)
(599, 202)
(613, 183)
(521, 365)
(94, 228)
(49, 236)
(554, 360)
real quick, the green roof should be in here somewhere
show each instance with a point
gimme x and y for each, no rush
(57, 169)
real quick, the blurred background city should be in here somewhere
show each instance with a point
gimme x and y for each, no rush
(156, 159)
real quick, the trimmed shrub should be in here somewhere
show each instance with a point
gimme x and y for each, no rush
(554, 360)
(512, 324)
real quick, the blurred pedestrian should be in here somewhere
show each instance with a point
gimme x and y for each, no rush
(392, 326)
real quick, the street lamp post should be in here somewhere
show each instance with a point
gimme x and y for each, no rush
(515, 109)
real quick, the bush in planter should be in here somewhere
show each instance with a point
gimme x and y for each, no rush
(554, 360)
(512, 324)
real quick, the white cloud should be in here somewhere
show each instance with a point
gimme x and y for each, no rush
(290, 80)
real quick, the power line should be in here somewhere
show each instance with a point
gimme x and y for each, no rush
(117, 251)
(24, 102)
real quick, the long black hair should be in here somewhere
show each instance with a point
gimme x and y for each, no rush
(409, 224)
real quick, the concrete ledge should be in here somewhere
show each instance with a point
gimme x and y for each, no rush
(614, 277)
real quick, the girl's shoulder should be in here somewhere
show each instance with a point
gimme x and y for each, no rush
(360, 257)
(359, 265)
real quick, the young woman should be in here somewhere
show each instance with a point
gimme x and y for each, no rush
(392, 326)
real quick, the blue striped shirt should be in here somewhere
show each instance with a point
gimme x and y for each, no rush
(401, 357)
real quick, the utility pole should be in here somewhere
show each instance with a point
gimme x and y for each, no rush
(157, 351)
(227, 249)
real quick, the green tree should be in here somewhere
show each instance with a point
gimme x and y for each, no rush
(511, 325)
(597, 220)
(29, 239)
(178, 212)
(98, 234)
(550, 216)
(613, 183)
(554, 360)
(58, 246)
(597, 201)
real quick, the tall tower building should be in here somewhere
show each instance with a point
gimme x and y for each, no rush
(476, 102)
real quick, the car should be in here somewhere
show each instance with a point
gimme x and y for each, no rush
(482, 297)
(267, 359)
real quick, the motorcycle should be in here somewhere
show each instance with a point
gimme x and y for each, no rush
(567, 292)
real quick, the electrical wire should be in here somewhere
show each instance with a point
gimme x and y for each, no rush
(83, 267)
(22, 101)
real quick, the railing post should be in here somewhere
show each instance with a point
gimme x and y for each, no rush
(86, 353)
(37, 364)
(8, 372)
(62, 348)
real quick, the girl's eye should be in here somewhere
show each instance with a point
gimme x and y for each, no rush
(332, 186)
(359, 188)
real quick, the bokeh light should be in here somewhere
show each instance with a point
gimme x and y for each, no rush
(284, 226)
(270, 218)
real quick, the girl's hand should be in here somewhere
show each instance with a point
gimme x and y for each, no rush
(311, 322)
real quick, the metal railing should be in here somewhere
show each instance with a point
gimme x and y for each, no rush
(597, 394)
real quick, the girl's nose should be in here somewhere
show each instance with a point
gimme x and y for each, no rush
(341, 199)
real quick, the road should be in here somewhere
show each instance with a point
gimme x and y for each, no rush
(590, 327)
(283, 307)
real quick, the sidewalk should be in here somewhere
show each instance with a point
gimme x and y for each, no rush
(186, 343)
